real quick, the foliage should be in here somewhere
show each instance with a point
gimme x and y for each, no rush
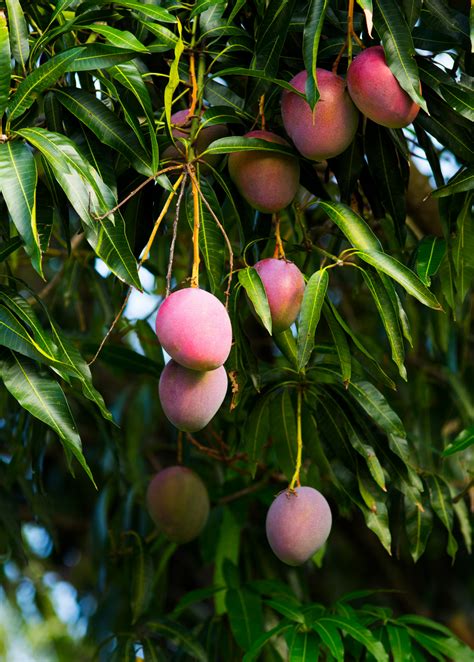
(382, 354)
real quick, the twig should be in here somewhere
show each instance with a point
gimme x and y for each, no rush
(173, 238)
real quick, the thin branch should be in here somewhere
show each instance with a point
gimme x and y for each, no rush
(175, 232)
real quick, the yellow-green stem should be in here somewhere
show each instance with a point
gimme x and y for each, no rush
(196, 258)
(350, 30)
(299, 440)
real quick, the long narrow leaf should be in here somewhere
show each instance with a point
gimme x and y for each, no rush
(5, 63)
(311, 307)
(18, 32)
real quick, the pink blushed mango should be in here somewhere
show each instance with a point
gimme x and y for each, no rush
(191, 398)
(194, 328)
(377, 93)
(178, 503)
(298, 524)
(267, 180)
(284, 285)
(330, 128)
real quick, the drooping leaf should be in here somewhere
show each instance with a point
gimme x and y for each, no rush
(18, 178)
(254, 652)
(43, 397)
(462, 441)
(368, 10)
(240, 144)
(100, 56)
(39, 80)
(463, 180)
(252, 283)
(18, 32)
(340, 341)
(400, 273)
(118, 38)
(256, 431)
(358, 632)
(5, 63)
(442, 506)
(283, 432)
(400, 644)
(303, 646)
(151, 11)
(430, 253)
(377, 407)
(245, 615)
(8, 247)
(173, 80)
(331, 638)
(463, 249)
(311, 35)
(311, 307)
(176, 632)
(352, 225)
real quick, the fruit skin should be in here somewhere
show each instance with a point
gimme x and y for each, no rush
(178, 503)
(298, 524)
(284, 285)
(267, 180)
(190, 398)
(332, 127)
(205, 137)
(377, 93)
(194, 328)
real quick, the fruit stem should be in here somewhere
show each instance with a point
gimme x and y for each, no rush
(279, 252)
(196, 258)
(261, 111)
(299, 440)
(192, 76)
(350, 29)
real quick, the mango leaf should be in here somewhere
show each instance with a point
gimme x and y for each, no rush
(331, 638)
(151, 11)
(228, 550)
(254, 652)
(442, 647)
(286, 343)
(341, 344)
(175, 632)
(8, 247)
(367, 8)
(389, 317)
(108, 128)
(39, 80)
(88, 195)
(398, 45)
(211, 240)
(400, 643)
(100, 56)
(311, 307)
(14, 335)
(311, 35)
(412, 10)
(18, 32)
(244, 609)
(441, 501)
(358, 632)
(283, 432)
(463, 180)
(43, 397)
(256, 431)
(303, 646)
(377, 407)
(5, 63)
(240, 144)
(142, 578)
(174, 79)
(400, 273)
(462, 441)
(18, 179)
(463, 249)
(118, 38)
(252, 283)
(430, 253)
(377, 521)
(352, 225)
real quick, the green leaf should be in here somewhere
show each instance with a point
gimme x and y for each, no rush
(377, 407)
(178, 634)
(303, 647)
(118, 38)
(43, 397)
(254, 652)
(311, 35)
(8, 247)
(359, 633)
(462, 441)
(400, 273)
(255, 73)
(286, 343)
(418, 524)
(100, 56)
(464, 520)
(174, 79)
(240, 144)
(398, 46)
(389, 317)
(287, 607)
(463, 180)
(252, 283)
(244, 609)
(311, 307)
(441, 501)
(88, 195)
(39, 80)
(211, 239)
(256, 431)
(18, 32)
(430, 253)
(400, 643)
(283, 432)
(142, 579)
(108, 128)
(459, 99)
(384, 165)
(463, 249)
(14, 335)
(196, 596)
(331, 638)
(443, 647)
(228, 549)
(18, 179)
(5, 63)
(151, 11)
(352, 225)
(340, 341)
